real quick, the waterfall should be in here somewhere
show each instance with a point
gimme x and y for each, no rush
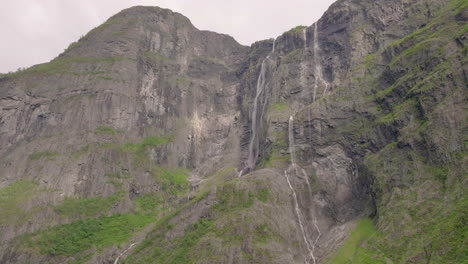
(292, 147)
(254, 142)
(318, 65)
(257, 115)
(314, 219)
(123, 253)
(293, 169)
(274, 47)
(312, 97)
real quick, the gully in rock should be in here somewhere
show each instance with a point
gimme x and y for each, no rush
(257, 113)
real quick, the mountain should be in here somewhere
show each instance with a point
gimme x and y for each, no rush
(150, 141)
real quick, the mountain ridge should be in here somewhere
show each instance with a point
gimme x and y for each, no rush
(130, 144)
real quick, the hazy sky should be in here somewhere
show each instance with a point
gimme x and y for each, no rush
(36, 31)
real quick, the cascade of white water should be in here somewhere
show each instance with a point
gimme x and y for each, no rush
(274, 47)
(256, 116)
(299, 217)
(314, 219)
(254, 142)
(318, 65)
(123, 253)
(293, 168)
(292, 147)
(304, 64)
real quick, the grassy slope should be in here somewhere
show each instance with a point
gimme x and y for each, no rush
(198, 240)
(358, 246)
(91, 228)
(422, 205)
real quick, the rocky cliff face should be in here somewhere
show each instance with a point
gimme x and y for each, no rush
(150, 141)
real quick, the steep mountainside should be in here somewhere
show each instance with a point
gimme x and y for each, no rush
(150, 141)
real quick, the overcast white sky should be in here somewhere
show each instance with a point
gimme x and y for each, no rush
(36, 31)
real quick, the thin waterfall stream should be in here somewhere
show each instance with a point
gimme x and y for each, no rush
(293, 168)
(309, 114)
(254, 140)
(123, 253)
(318, 65)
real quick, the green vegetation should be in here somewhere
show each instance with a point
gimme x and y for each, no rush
(278, 107)
(434, 234)
(421, 46)
(458, 6)
(46, 154)
(266, 161)
(210, 60)
(296, 30)
(420, 200)
(139, 149)
(73, 207)
(354, 249)
(273, 159)
(78, 236)
(144, 252)
(181, 80)
(232, 199)
(73, 45)
(432, 38)
(421, 220)
(154, 57)
(227, 229)
(146, 143)
(261, 194)
(149, 201)
(190, 247)
(273, 156)
(115, 182)
(105, 130)
(111, 21)
(262, 234)
(224, 172)
(293, 56)
(185, 248)
(369, 60)
(412, 36)
(11, 199)
(62, 66)
(407, 106)
(180, 247)
(80, 152)
(440, 174)
(173, 181)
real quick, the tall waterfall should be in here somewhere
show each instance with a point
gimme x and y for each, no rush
(257, 113)
(318, 65)
(293, 168)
